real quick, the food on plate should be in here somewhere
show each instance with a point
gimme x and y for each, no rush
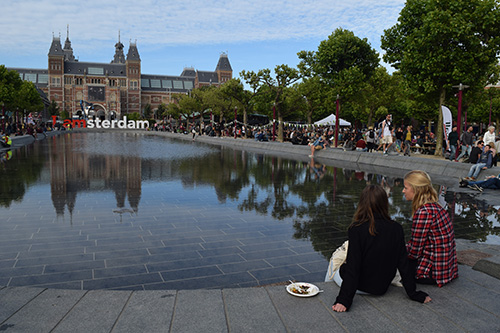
(300, 289)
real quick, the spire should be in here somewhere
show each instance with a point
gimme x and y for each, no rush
(133, 53)
(56, 48)
(119, 57)
(68, 50)
(223, 64)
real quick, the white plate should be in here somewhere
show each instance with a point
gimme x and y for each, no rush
(311, 291)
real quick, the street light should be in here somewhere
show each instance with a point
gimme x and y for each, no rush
(460, 87)
(337, 120)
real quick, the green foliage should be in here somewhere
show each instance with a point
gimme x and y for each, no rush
(64, 114)
(53, 108)
(134, 116)
(18, 94)
(277, 84)
(437, 44)
(147, 112)
(343, 61)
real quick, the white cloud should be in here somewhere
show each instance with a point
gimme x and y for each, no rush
(28, 23)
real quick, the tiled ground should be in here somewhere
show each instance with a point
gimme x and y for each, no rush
(159, 248)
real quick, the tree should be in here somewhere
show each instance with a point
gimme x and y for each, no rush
(343, 61)
(53, 108)
(147, 111)
(440, 43)
(315, 93)
(284, 77)
(10, 85)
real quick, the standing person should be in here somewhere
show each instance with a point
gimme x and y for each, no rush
(431, 249)
(407, 137)
(370, 139)
(489, 136)
(466, 140)
(386, 134)
(376, 250)
(453, 141)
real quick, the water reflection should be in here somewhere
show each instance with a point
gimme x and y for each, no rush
(319, 199)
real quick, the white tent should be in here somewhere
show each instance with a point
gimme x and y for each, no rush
(330, 120)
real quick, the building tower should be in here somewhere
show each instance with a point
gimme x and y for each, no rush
(119, 57)
(133, 67)
(68, 50)
(56, 72)
(223, 69)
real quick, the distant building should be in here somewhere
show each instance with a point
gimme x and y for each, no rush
(117, 88)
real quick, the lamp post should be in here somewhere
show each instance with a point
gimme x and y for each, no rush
(274, 121)
(460, 87)
(337, 120)
(235, 115)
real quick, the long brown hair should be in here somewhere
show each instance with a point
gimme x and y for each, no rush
(423, 191)
(372, 201)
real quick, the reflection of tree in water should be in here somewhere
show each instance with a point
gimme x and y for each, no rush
(321, 206)
(17, 174)
(473, 219)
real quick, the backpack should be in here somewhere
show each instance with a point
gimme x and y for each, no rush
(371, 134)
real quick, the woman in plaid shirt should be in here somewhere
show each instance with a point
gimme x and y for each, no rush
(431, 248)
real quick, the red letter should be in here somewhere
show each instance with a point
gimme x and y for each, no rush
(54, 121)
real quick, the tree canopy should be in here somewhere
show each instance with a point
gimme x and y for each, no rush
(437, 44)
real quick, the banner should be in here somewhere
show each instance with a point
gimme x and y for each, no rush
(447, 123)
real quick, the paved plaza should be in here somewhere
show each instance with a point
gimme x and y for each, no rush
(471, 303)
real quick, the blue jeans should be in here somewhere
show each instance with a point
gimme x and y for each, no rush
(476, 169)
(453, 152)
(490, 183)
(465, 150)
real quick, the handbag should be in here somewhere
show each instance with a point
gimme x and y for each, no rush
(338, 258)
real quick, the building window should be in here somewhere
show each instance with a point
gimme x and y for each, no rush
(123, 83)
(144, 83)
(178, 85)
(55, 82)
(155, 84)
(95, 71)
(188, 84)
(30, 77)
(68, 80)
(134, 85)
(112, 83)
(79, 81)
(43, 78)
(166, 84)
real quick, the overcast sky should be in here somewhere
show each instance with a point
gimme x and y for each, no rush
(174, 34)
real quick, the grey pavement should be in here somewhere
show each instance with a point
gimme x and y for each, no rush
(471, 303)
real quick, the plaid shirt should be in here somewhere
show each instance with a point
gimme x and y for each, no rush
(432, 244)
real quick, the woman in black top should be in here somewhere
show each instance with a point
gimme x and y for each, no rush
(376, 249)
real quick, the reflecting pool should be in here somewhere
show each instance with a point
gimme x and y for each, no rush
(136, 211)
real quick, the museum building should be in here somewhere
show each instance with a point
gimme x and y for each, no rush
(117, 88)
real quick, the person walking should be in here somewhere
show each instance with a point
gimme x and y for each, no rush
(466, 140)
(386, 135)
(407, 137)
(453, 142)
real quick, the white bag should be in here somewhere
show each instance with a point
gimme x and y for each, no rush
(338, 258)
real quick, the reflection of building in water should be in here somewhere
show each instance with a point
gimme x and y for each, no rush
(73, 172)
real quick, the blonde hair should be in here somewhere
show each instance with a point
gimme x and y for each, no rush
(423, 191)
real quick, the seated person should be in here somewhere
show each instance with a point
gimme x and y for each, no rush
(318, 144)
(476, 152)
(431, 248)
(491, 182)
(376, 250)
(361, 145)
(485, 162)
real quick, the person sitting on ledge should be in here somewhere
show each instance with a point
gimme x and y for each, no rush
(318, 144)
(491, 182)
(484, 162)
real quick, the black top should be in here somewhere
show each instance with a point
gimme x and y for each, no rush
(474, 154)
(372, 262)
